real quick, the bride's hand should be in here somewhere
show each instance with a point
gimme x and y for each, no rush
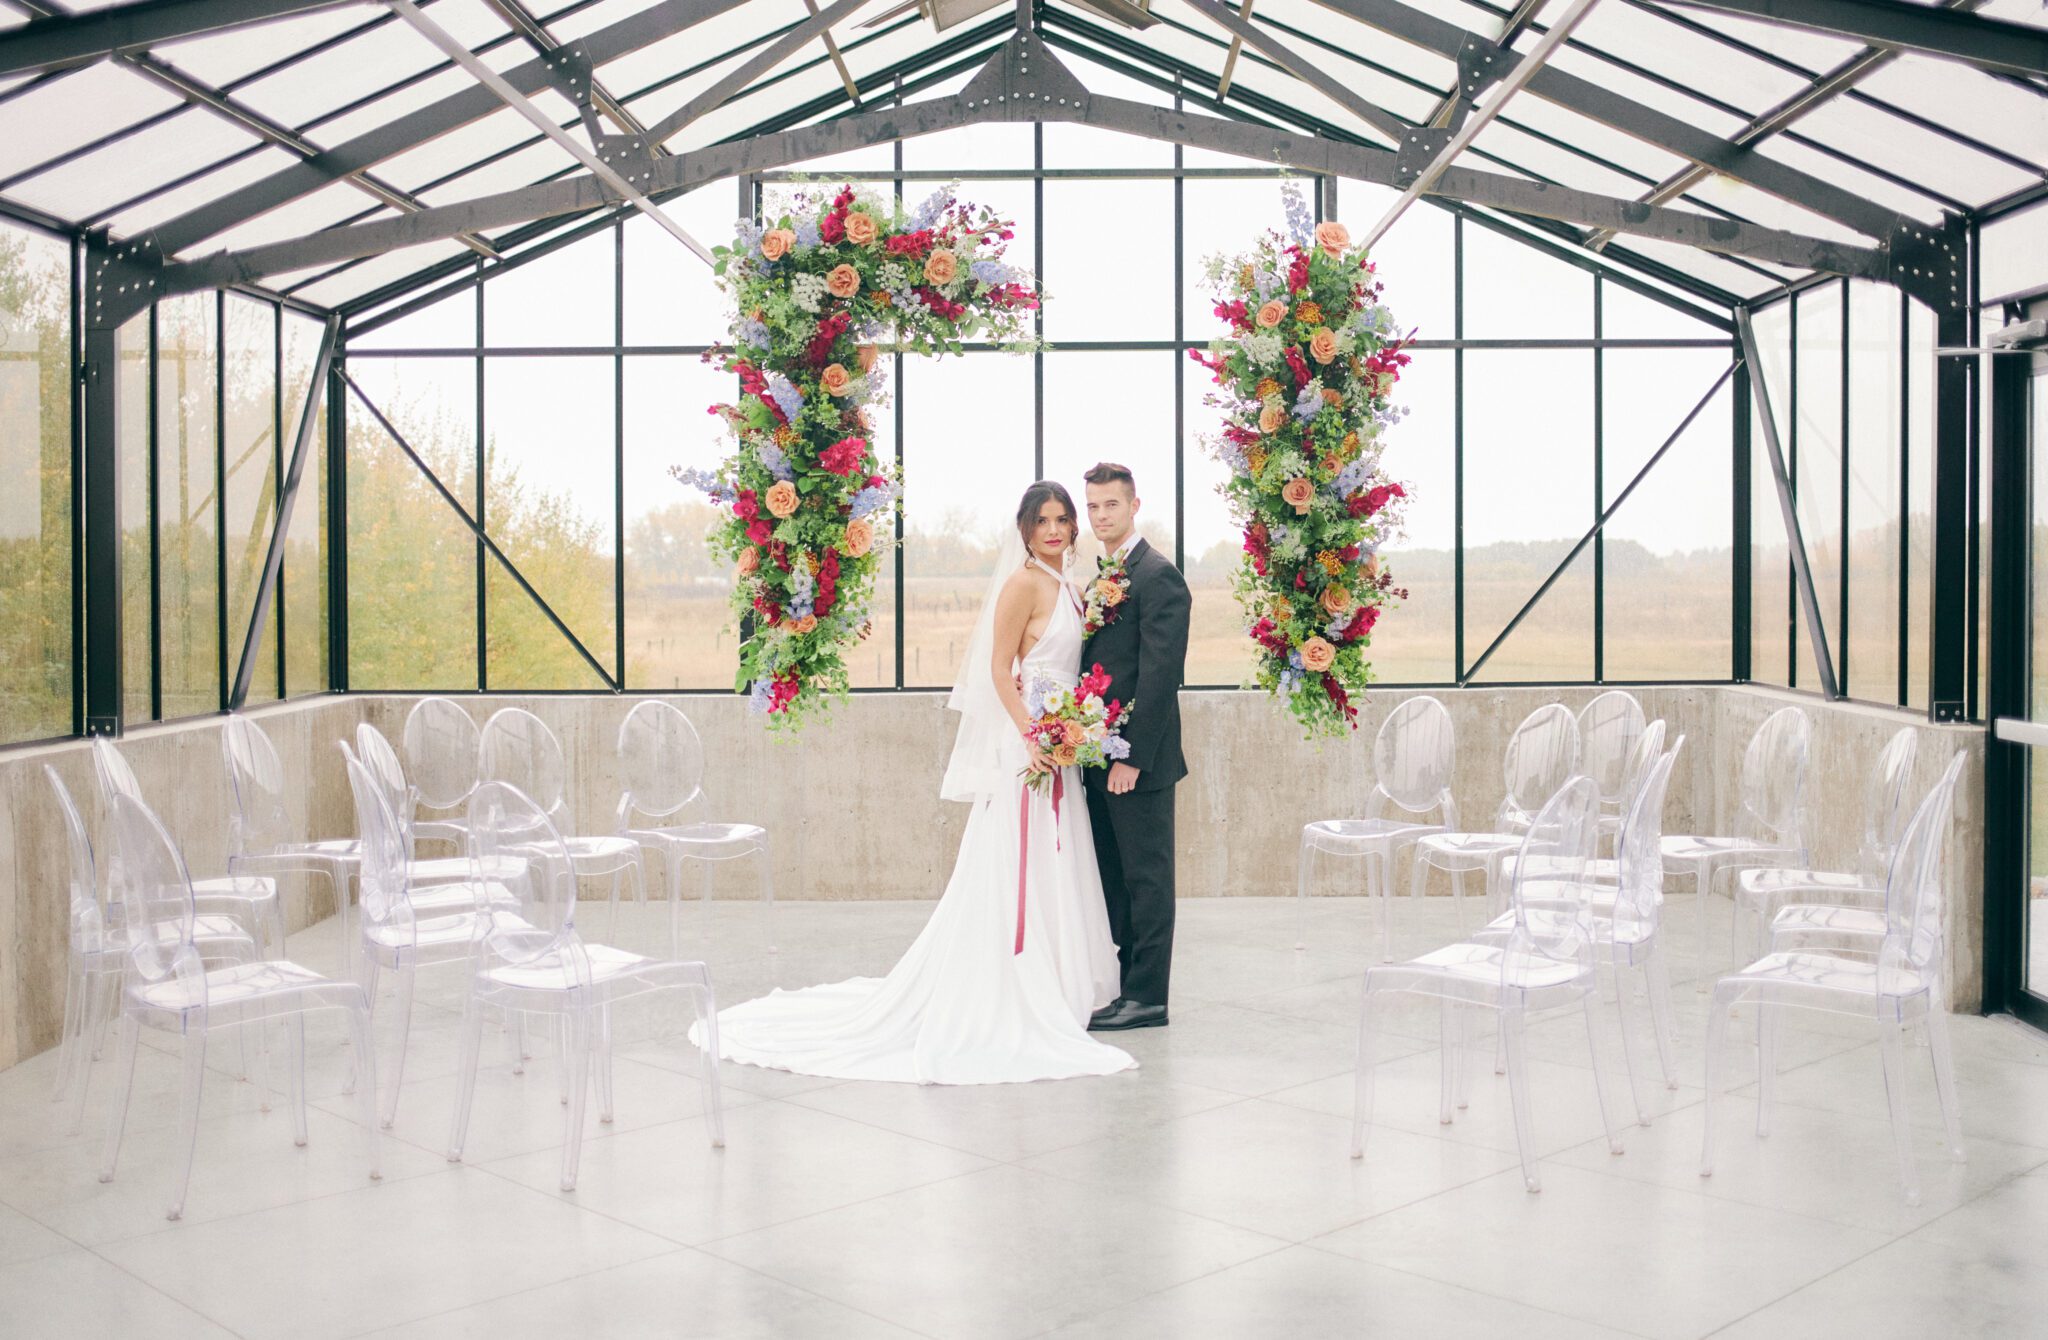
(1039, 761)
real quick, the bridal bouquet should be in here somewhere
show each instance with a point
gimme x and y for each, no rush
(1074, 726)
(821, 292)
(1303, 382)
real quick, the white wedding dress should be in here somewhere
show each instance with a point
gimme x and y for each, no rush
(967, 1004)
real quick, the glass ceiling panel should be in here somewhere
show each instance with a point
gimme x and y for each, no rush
(217, 183)
(127, 167)
(328, 131)
(222, 58)
(341, 74)
(590, 18)
(1647, 92)
(1547, 160)
(1760, 206)
(530, 164)
(2015, 254)
(1704, 265)
(1913, 153)
(1871, 187)
(1623, 151)
(1285, 89)
(1656, 44)
(86, 105)
(458, 149)
(740, 115)
(377, 272)
(308, 214)
(1398, 96)
(711, 39)
(1342, 31)
(2017, 11)
(1998, 113)
(1815, 51)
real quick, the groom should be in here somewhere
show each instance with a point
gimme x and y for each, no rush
(1144, 649)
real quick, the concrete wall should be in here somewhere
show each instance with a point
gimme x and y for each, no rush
(854, 808)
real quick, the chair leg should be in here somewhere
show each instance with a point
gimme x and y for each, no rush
(1361, 1072)
(366, 1085)
(1518, 1095)
(406, 973)
(672, 875)
(1703, 880)
(1303, 859)
(1447, 1059)
(1717, 1032)
(1458, 900)
(188, 1115)
(124, 1082)
(1658, 974)
(1945, 1078)
(1596, 1045)
(1892, 1045)
(295, 1075)
(1766, 1065)
(1380, 886)
(1628, 1047)
(465, 1088)
(768, 891)
(603, 1062)
(576, 1065)
(707, 1061)
(77, 1059)
(611, 930)
(67, 1043)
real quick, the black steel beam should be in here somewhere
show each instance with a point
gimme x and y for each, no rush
(761, 63)
(1988, 44)
(1244, 30)
(1949, 631)
(273, 559)
(65, 40)
(101, 567)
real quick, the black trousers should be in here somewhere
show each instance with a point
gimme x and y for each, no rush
(1134, 846)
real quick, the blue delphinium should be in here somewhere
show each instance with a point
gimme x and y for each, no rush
(757, 698)
(1309, 403)
(1298, 222)
(774, 459)
(1034, 698)
(927, 213)
(992, 272)
(707, 483)
(1352, 477)
(786, 396)
(807, 232)
(872, 499)
(747, 237)
(752, 332)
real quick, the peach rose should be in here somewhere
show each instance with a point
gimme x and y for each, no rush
(1110, 593)
(1272, 314)
(804, 625)
(1270, 419)
(776, 242)
(843, 281)
(941, 268)
(868, 353)
(1073, 732)
(781, 498)
(1336, 599)
(1298, 494)
(1065, 755)
(860, 538)
(1322, 346)
(835, 379)
(750, 562)
(1332, 237)
(1318, 655)
(861, 228)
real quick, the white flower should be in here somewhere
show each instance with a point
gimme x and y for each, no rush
(1263, 347)
(807, 291)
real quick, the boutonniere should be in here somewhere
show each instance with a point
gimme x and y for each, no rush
(1106, 595)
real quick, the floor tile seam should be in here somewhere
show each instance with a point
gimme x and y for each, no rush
(1918, 1125)
(1802, 1288)
(1231, 1100)
(707, 1245)
(170, 1298)
(564, 1198)
(1163, 1289)
(1467, 1288)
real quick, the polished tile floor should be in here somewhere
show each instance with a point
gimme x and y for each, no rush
(1206, 1194)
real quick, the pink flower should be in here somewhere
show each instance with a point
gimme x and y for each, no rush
(844, 456)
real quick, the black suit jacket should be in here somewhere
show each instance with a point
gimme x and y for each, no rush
(1145, 654)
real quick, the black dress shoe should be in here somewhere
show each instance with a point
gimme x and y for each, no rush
(1123, 1014)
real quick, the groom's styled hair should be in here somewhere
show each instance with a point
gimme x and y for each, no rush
(1109, 472)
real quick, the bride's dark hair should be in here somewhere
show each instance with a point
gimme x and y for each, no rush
(1035, 498)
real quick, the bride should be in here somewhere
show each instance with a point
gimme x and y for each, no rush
(999, 985)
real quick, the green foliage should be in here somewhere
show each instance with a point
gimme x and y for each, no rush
(35, 518)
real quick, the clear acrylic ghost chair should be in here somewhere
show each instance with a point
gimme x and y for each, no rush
(1625, 916)
(98, 955)
(517, 747)
(661, 772)
(250, 899)
(423, 876)
(1905, 984)
(441, 757)
(534, 963)
(167, 986)
(1541, 754)
(262, 840)
(1887, 805)
(1610, 728)
(1545, 963)
(1412, 758)
(1770, 822)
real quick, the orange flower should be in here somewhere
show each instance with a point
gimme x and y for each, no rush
(868, 354)
(1299, 494)
(1256, 459)
(861, 228)
(1309, 313)
(1332, 237)
(1372, 567)
(1331, 463)
(1282, 609)
(843, 282)
(1109, 593)
(1322, 346)
(750, 562)
(1336, 599)
(1268, 388)
(835, 379)
(1270, 419)
(1350, 443)
(1272, 314)
(804, 625)
(781, 498)
(941, 267)
(1328, 561)
(882, 298)
(1318, 655)
(776, 242)
(1333, 396)
(1246, 277)
(1073, 732)
(860, 538)
(1065, 755)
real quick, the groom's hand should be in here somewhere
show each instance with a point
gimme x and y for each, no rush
(1122, 777)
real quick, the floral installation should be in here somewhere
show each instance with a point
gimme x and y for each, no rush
(1303, 382)
(1074, 727)
(819, 294)
(1105, 595)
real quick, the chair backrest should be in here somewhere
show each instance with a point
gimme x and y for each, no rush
(1888, 801)
(1412, 757)
(382, 874)
(88, 923)
(661, 761)
(1550, 867)
(380, 760)
(440, 742)
(1541, 754)
(508, 831)
(1609, 728)
(1638, 851)
(1914, 903)
(114, 776)
(155, 891)
(1773, 780)
(517, 747)
(1648, 748)
(257, 821)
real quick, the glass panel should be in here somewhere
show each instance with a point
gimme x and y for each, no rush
(1068, 145)
(1119, 407)
(249, 387)
(1414, 644)
(549, 487)
(188, 512)
(1876, 385)
(138, 567)
(1415, 262)
(1919, 155)
(959, 505)
(671, 296)
(35, 512)
(1002, 144)
(305, 554)
(367, 276)
(1668, 553)
(1113, 291)
(224, 57)
(1628, 315)
(564, 298)
(447, 324)
(2004, 115)
(1528, 498)
(1221, 218)
(2015, 253)
(412, 574)
(1770, 560)
(382, 56)
(1219, 653)
(1816, 449)
(85, 106)
(148, 213)
(125, 167)
(1513, 291)
(1920, 499)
